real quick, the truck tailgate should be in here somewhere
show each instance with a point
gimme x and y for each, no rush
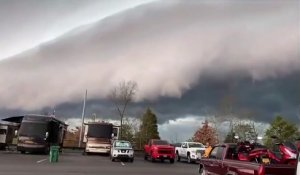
(280, 169)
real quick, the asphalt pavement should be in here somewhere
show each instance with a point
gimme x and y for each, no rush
(74, 163)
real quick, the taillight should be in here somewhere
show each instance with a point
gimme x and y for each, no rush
(261, 170)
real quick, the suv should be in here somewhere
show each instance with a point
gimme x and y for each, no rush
(121, 149)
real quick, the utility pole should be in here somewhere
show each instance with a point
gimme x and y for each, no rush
(82, 119)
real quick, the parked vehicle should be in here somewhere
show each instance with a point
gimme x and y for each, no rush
(122, 149)
(159, 149)
(99, 136)
(191, 151)
(38, 132)
(253, 152)
(223, 160)
(284, 153)
(298, 166)
(8, 132)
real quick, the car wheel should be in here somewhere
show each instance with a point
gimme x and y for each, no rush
(47, 150)
(112, 159)
(22, 152)
(202, 171)
(145, 157)
(178, 157)
(189, 159)
(172, 161)
(152, 158)
(131, 160)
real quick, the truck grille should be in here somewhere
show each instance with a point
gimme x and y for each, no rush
(165, 151)
(200, 151)
(123, 151)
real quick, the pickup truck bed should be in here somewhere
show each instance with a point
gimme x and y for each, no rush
(220, 162)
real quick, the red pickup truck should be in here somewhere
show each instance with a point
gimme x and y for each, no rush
(222, 160)
(159, 149)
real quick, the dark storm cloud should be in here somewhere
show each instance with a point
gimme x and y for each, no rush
(264, 99)
(185, 58)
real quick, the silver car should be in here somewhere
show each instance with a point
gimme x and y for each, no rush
(122, 150)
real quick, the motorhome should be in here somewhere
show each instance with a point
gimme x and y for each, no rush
(98, 137)
(38, 132)
(8, 132)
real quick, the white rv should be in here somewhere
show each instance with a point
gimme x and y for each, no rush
(98, 137)
(8, 132)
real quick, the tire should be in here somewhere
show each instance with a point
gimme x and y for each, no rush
(112, 159)
(47, 150)
(152, 158)
(178, 157)
(22, 152)
(172, 161)
(162, 160)
(202, 171)
(189, 160)
(145, 157)
(131, 160)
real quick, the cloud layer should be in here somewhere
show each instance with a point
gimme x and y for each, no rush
(168, 48)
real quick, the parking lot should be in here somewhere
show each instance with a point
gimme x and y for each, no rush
(74, 163)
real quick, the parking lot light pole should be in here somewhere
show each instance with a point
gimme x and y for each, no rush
(82, 119)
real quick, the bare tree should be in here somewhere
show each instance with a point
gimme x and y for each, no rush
(121, 96)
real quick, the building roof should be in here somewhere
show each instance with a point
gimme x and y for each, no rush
(19, 119)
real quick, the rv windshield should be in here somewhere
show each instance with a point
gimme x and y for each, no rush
(33, 129)
(100, 130)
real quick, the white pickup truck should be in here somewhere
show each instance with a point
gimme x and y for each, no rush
(191, 151)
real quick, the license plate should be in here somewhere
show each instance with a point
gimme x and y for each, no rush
(165, 156)
(266, 160)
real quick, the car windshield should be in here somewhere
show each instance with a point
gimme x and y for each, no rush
(122, 144)
(196, 145)
(160, 142)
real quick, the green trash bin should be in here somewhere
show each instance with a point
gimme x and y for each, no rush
(54, 153)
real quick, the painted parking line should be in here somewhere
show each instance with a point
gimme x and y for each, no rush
(40, 161)
(122, 163)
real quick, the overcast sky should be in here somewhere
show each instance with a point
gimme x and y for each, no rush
(186, 56)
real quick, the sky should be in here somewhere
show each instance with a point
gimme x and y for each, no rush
(188, 58)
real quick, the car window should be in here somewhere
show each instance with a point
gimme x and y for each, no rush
(213, 153)
(196, 145)
(217, 153)
(220, 152)
(231, 153)
(160, 142)
(122, 144)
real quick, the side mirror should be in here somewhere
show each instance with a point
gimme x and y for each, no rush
(16, 132)
(46, 135)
